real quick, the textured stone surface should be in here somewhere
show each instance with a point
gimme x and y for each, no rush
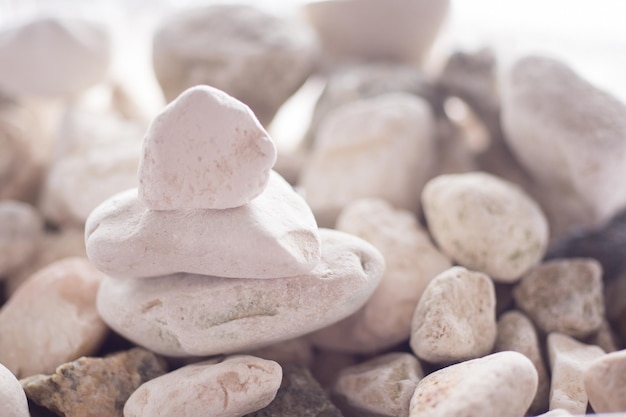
(52, 318)
(382, 386)
(563, 296)
(275, 235)
(501, 384)
(485, 224)
(299, 395)
(378, 147)
(231, 388)
(411, 261)
(259, 58)
(569, 135)
(21, 230)
(605, 383)
(185, 314)
(12, 397)
(205, 150)
(94, 386)
(569, 359)
(52, 57)
(455, 318)
(517, 333)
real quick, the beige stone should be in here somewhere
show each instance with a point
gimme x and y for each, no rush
(382, 386)
(236, 386)
(605, 383)
(21, 231)
(501, 384)
(564, 296)
(52, 318)
(12, 397)
(604, 337)
(298, 351)
(455, 318)
(485, 224)
(569, 360)
(517, 333)
(185, 314)
(411, 262)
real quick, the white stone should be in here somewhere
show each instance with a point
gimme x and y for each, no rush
(234, 387)
(52, 319)
(184, 314)
(411, 262)
(51, 57)
(485, 224)
(570, 136)
(377, 147)
(605, 383)
(205, 150)
(455, 319)
(275, 235)
(21, 231)
(12, 396)
(569, 359)
(382, 386)
(501, 384)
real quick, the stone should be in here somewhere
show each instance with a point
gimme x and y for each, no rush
(563, 295)
(205, 150)
(569, 359)
(604, 337)
(377, 30)
(94, 386)
(52, 318)
(53, 57)
(379, 147)
(299, 395)
(382, 386)
(557, 412)
(411, 262)
(455, 319)
(21, 230)
(328, 364)
(517, 333)
(298, 351)
(485, 224)
(186, 314)
(256, 57)
(12, 397)
(500, 384)
(605, 383)
(275, 235)
(569, 136)
(230, 388)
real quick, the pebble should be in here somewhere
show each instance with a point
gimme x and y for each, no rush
(52, 57)
(569, 136)
(94, 386)
(500, 384)
(569, 360)
(517, 333)
(299, 395)
(275, 235)
(21, 230)
(230, 388)
(259, 58)
(605, 383)
(191, 161)
(12, 397)
(563, 296)
(411, 262)
(455, 319)
(382, 386)
(485, 224)
(378, 147)
(185, 314)
(52, 318)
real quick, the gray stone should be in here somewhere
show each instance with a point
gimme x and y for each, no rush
(21, 230)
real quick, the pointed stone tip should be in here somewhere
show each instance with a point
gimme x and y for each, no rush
(205, 150)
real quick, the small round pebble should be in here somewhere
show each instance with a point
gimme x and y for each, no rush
(485, 224)
(21, 230)
(605, 383)
(501, 384)
(12, 396)
(455, 319)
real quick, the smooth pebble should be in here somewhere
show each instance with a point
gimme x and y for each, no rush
(605, 383)
(12, 396)
(21, 232)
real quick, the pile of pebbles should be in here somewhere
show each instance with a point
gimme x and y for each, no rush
(448, 245)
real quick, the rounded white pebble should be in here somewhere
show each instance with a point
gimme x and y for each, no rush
(12, 396)
(605, 383)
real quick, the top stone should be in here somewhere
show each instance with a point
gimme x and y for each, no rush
(206, 150)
